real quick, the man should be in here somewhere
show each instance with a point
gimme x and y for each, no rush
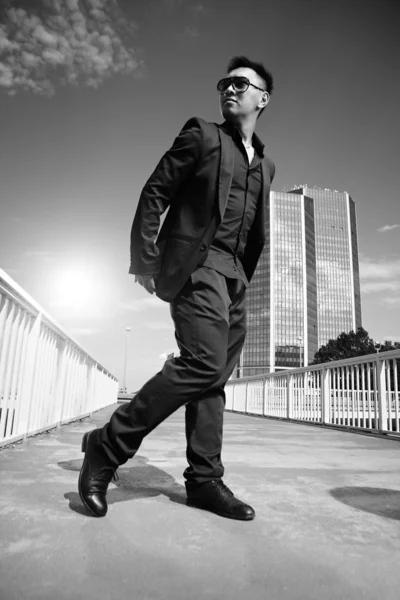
(215, 180)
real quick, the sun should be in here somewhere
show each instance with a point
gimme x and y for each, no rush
(75, 288)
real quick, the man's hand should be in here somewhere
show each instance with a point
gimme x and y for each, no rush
(147, 281)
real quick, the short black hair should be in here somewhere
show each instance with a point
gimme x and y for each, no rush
(241, 61)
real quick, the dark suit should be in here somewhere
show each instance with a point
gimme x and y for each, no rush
(193, 179)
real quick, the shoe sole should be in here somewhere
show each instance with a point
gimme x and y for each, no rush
(195, 504)
(83, 449)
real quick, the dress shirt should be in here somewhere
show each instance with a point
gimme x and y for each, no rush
(230, 241)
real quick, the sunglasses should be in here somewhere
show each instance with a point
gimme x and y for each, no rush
(239, 84)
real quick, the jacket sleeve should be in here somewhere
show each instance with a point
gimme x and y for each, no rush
(158, 194)
(271, 170)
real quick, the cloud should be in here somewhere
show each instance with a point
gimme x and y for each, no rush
(392, 301)
(197, 10)
(380, 286)
(381, 276)
(191, 31)
(388, 228)
(67, 42)
(387, 269)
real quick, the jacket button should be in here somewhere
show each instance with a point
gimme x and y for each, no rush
(203, 247)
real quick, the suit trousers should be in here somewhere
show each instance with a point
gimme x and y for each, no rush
(210, 329)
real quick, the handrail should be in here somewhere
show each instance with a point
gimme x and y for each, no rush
(355, 360)
(19, 295)
(46, 377)
(362, 392)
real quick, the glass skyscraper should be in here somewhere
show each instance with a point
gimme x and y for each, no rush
(336, 250)
(306, 288)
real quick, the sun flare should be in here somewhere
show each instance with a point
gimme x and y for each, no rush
(75, 288)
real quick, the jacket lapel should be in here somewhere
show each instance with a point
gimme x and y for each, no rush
(225, 171)
(265, 179)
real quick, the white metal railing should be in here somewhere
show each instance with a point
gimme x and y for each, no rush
(46, 378)
(361, 393)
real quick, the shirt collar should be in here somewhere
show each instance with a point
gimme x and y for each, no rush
(234, 133)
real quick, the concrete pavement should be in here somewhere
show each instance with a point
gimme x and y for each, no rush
(327, 524)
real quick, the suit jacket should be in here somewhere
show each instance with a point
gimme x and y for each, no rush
(192, 180)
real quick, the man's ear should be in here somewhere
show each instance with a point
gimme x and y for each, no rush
(264, 100)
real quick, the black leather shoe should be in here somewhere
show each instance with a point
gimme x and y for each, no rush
(95, 475)
(216, 497)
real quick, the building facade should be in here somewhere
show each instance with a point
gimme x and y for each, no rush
(306, 287)
(337, 266)
(281, 300)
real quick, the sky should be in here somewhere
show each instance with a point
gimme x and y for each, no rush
(93, 92)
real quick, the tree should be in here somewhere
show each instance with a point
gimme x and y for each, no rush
(347, 345)
(387, 345)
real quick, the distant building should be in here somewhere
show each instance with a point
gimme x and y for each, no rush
(306, 287)
(336, 250)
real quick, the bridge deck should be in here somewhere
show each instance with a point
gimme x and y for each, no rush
(327, 525)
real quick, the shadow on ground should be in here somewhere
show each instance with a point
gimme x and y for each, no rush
(138, 481)
(379, 501)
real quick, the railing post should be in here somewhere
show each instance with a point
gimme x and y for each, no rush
(60, 381)
(27, 390)
(25, 325)
(289, 396)
(325, 396)
(381, 395)
(5, 341)
(265, 397)
(245, 398)
(90, 386)
(9, 357)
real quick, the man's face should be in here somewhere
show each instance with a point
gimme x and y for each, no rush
(235, 104)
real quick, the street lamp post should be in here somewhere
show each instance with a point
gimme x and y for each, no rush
(127, 331)
(300, 340)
